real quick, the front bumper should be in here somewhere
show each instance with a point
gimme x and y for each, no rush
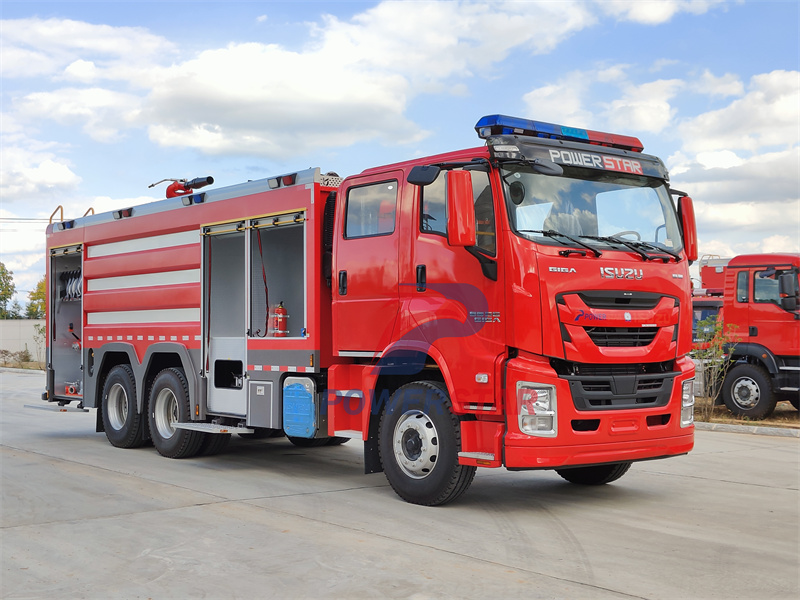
(587, 437)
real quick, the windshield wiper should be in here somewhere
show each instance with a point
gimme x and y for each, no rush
(674, 255)
(637, 246)
(555, 234)
(537, 165)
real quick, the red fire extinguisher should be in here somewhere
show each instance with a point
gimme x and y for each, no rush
(280, 322)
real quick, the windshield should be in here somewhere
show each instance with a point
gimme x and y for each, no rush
(586, 204)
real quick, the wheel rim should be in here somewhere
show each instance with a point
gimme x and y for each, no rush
(166, 413)
(415, 444)
(117, 407)
(746, 393)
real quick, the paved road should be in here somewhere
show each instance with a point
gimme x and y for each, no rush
(81, 519)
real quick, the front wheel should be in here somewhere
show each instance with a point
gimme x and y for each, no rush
(596, 475)
(420, 439)
(747, 392)
(169, 404)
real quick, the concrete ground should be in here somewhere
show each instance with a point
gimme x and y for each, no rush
(82, 519)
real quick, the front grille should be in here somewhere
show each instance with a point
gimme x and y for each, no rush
(609, 387)
(622, 336)
(606, 299)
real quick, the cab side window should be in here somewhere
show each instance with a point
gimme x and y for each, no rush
(741, 287)
(765, 286)
(433, 217)
(371, 210)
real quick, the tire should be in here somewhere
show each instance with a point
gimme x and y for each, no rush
(213, 444)
(123, 425)
(596, 475)
(747, 392)
(795, 402)
(169, 403)
(308, 442)
(337, 441)
(419, 441)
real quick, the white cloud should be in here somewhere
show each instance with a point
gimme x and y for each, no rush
(767, 115)
(723, 159)
(562, 102)
(645, 107)
(25, 174)
(727, 85)
(101, 112)
(34, 47)
(781, 243)
(81, 70)
(655, 12)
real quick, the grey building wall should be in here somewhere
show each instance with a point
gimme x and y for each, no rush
(18, 334)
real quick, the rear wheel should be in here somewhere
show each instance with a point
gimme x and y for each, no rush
(420, 439)
(747, 392)
(596, 475)
(337, 441)
(169, 404)
(308, 442)
(795, 402)
(123, 425)
(260, 433)
(214, 443)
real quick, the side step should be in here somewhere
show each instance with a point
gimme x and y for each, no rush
(213, 428)
(56, 408)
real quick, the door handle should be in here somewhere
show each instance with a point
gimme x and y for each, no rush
(753, 331)
(343, 283)
(422, 278)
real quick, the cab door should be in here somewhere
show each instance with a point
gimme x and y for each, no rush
(365, 269)
(770, 325)
(454, 295)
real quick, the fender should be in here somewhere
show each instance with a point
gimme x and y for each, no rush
(420, 348)
(757, 352)
(140, 370)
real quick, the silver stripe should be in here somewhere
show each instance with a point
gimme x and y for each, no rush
(353, 354)
(171, 315)
(148, 243)
(146, 280)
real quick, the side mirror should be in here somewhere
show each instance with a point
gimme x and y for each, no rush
(689, 225)
(787, 286)
(460, 209)
(423, 175)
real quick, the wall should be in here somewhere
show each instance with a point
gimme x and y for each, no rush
(17, 334)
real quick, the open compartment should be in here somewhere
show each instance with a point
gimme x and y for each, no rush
(277, 277)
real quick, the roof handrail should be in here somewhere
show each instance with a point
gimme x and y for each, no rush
(58, 208)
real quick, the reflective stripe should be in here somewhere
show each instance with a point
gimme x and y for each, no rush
(145, 280)
(173, 315)
(148, 243)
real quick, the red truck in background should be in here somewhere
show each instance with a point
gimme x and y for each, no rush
(756, 295)
(523, 304)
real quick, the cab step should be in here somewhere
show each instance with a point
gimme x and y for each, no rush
(213, 428)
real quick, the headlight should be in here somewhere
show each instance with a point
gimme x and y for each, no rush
(687, 403)
(537, 409)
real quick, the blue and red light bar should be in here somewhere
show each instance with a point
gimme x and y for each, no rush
(503, 125)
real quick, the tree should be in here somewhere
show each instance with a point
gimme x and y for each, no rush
(36, 301)
(7, 290)
(715, 341)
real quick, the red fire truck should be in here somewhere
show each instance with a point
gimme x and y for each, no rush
(757, 296)
(523, 304)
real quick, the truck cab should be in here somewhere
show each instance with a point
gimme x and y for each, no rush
(760, 304)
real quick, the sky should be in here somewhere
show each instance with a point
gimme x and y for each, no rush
(100, 99)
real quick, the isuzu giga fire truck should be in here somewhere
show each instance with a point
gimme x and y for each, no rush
(524, 304)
